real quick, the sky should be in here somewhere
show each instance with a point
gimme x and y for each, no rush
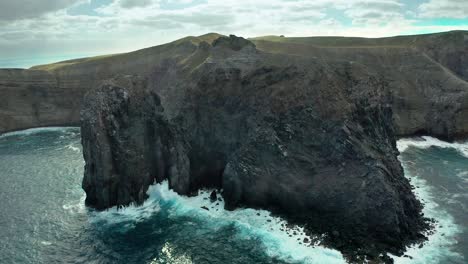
(42, 31)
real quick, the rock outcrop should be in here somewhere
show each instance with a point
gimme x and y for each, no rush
(128, 144)
(427, 74)
(312, 142)
(31, 98)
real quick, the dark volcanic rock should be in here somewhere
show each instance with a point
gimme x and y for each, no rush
(213, 196)
(232, 42)
(311, 142)
(305, 127)
(427, 75)
(128, 145)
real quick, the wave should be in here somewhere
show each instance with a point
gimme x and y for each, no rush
(281, 240)
(32, 131)
(73, 148)
(427, 142)
(438, 247)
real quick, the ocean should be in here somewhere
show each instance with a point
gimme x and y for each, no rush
(44, 219)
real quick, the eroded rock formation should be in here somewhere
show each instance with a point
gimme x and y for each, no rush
(313, 142)
(305, 127)
(128, 144)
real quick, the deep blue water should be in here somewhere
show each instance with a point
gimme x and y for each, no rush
(43, 218)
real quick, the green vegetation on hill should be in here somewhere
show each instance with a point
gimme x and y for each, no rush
(344, 42)
(273, 44)
(120, 58)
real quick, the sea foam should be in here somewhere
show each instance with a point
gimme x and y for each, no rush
(279, 239)
(32, 131)
(287, 243)
(427, 142)
(439, 247)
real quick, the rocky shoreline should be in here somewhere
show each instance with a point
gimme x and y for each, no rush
(312, 143)
(304, 131)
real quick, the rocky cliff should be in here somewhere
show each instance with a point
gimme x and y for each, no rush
(305, 127)
(426, 73)
(128, 144)
(312, 142)
(32, 98)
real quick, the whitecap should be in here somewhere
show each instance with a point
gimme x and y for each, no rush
(427, 142)
(168, 256)
(441, 241)
(73, 148)
(76, 207)
(439, 245)
(32, 131)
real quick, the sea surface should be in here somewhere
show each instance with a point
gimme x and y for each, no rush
(43, 218)
(27, 62)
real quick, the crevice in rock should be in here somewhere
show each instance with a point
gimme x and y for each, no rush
(206, 169)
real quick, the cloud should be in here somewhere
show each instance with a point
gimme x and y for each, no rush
(23, 9)
(374, 12)
(109, 26)
(135, 3)
(444, 9)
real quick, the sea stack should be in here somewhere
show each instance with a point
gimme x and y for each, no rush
(312, 141)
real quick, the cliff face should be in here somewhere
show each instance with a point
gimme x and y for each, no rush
(51, 95)
(427, 75)
(34, 98)
(127, 144)
(312, 142)
(305, 127)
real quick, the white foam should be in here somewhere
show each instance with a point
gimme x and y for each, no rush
(31, 131)
(427, 142)
(282, 243)
(279, 241)
(127, 216)
(438, 248)
(168, 256)
(71, 147)
(76, 207)
(46, 243)
(463, 175)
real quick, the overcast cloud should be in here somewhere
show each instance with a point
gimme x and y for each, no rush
(21, 9)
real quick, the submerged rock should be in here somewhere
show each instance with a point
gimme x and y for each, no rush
(213, 196)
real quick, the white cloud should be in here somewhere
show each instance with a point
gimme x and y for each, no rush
(22, 9)
(125, 25)
(444, 9)
(135, 3)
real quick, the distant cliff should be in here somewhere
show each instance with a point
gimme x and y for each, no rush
(31, 98)
(427, 74)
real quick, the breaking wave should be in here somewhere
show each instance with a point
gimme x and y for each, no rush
(427, 142)
(439, 248)
(31, 131)
(280, 240)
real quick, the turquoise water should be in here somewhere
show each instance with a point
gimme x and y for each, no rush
(44, 220)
